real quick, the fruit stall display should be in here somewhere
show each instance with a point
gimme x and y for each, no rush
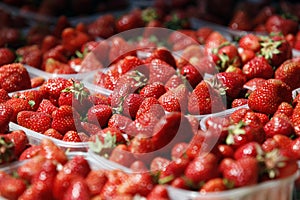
(150, 102)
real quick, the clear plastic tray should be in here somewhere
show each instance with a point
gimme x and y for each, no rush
(280, 189)
(295, 92)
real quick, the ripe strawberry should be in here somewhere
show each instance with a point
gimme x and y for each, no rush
(173, 82)
(240, 172)
(37, 81)
(7, 56)
(160, 71)
(71, 136)
(253, 83)
(98, 98)
(36, 121)
(246, 55)
(258, 67)
(95, 181)
(159, 192)
(14, 77)
(129, 63)
(119, 49)
(56, 67)
(239, 102)
(11, 187)
(73, 39)
(137, 183)
(53, 87)
(6, 113)
(47, 107)
(30, 55)
(53, 133)
(203, 33)
(269, 96)
(250, 42)
(173, 169)
(276, 50)
(34, 97)
(240, 21)
(278, 24)
(51, 151)
(3, 95)
(191, 74)
(30, 152)
(17, 105)
(288, 72)
(202, 168)
(129, 21)
(57, 53)
(233, 83)
(121, 155)
(99, 114)
(119, 121)
(102, 27)
(131, 105)
(251, 149)
(155, 90)
(204, 99)
(214, 185)
(78, 188)
(284, 108)
(164, 55)
(65, 118)
(175, 99)
(142, 148)
(279, 124)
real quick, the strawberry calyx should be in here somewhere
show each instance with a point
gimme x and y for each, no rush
(78, 89)
(149, 14)
(6, 150)
(103, 147)
(273, 160)
(233, 130)
(217, 85)
(166, 179)
(269, 48)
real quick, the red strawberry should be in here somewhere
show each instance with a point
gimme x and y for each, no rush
(203, 33)
(239, 102)
(246, 55)
(30, 55)
(251, 149)
(278, 24)
(95, 181)
(137, 183)
(175, 99)
(155, 90)
(240, 172)
(36, 121)
(214, 185)
(37, 81)
(78, 189)
(160, 71)
(253, 83)
(34, 97)
(11, 187)
(17, 105)
(65, 118)
(71, 136)
(192, 75)
(232, 82)
(204, 99)
(47, 107)
(258, 67)
(73, 39)
(129, 63)
(6, 113)
(131, 105)
(250, 42)
(164, 55)
(173, 169)
(14, 77)
(142, 148)
(121, 155)
(129, 21)
(56, 67)
(53, 133)
(151, 104)
(269, 96)
(158, 192)
(3, 95)
(99, 114)
(7, 56)
(288, 72)
(51, 151)
(98, 98)
(279, 124)
(284, 108)
(173, 82)
(119, 121)
(96, 27)
(202, 168)
(53, 87)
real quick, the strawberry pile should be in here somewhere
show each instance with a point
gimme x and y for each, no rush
(49, 173)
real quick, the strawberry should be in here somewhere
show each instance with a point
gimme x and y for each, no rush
(119, 121)
(239, 102)
(242, 172)
(160, 71)
(119, 49)
(142, 148)
(30, 152)
(58, 53)
(73, 39)
(47, 107)
(34, 97)
(131, 105)
(178, 150)
(173, 82)
(99, 114)
(6, 113)
(203, 33)
(214, 185)
(53, 87)
(7, 150)
(150, 104)
(233, 83)
(253, 83)
(155, 89)
(14, 77)
(37, 81)
(121, 155)
(18, 105)
(269, 96)
(137, 183)
(7, 56)
(288, 72)
(258, 67)
(50, 151)
(53, 133)
(30, 55)
(102, 27)
(71, 136)
(3, 95)
(175, 99)
(98, 98)
(129, 21)
(76, 167)
(95, 181)
(246, 55)
(78, 188)
(11, 187)
(65, 118)
(36, 121)
(240, 21)
(250, 42)
(284, 108)
(279, 24)
(56, 67)
(251, 149)
(158, 192)
(49, 42)
(202, 168)
(164, 55)
(204, 99)
(276, 50)
(279, 124)
(129, 63)
(173, 169)
(191, 74)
